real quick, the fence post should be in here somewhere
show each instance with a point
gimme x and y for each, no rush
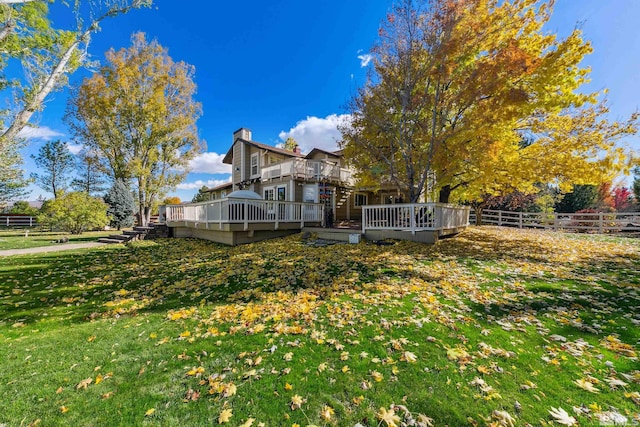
(30, 221)
(7, 221)
(412, 219)
(276, 208)
(600, 223)
(519, 219)
(499, 218)
(364, 218)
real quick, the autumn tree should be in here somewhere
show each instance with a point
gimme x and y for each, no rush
(74, 212)
(138, 114)
(290, 144)
(636, 184)
(57, 164)
(90, 178)
(475, 93)
(622, 199)
(171, 200)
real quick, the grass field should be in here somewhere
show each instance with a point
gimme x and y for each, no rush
(495, 327)
(20, 239)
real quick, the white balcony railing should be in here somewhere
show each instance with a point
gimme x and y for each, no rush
(414, 217)
(313, 170)
(245, 211)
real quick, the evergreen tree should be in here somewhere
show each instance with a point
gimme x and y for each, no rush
(121, 205)
(201, 195)
(582, 197)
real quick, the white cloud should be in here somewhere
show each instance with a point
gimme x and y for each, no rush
(365, 59)
(43, 132)
(209, 163)
(316, 132)
(74, 148)
(199, 183)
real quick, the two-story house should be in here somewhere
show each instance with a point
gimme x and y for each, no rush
(278, 174)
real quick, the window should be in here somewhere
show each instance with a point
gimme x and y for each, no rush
(360, 200)
(269, 193)
(282, 194)
(254, 165)
(223, 194)
(214, 196)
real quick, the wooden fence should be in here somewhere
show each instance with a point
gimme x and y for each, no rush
(18, 220)
(598, 222)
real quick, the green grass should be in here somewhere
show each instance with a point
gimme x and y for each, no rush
(20, 239)
(454, 331)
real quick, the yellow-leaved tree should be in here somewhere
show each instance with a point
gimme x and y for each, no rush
(138, 115)
(478, 95)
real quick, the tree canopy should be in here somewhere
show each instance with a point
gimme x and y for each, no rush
(477, 94)
(57, 163)
(138, 114)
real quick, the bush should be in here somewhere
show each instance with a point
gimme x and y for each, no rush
(74, 212)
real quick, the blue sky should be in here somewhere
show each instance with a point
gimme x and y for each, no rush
(288, 67)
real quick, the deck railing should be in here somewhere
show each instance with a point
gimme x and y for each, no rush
(599, 222)
(414, 217)
(316, 170)
(245, 211)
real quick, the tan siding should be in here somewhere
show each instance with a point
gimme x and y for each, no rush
(237, 147)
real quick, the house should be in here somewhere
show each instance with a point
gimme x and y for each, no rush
(220, 191)
(274, 192)
(317, 177)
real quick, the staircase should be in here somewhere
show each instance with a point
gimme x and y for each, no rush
(344, 198)
(153, 231)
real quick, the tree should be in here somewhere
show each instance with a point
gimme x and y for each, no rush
(90, 177)
(121, 205)
(24, 208)
(475, 93)
(74, 212)
(47, 56)
(12, 182)
(57, 162)
(622, 199)
(290, 144)
(580, 198)
(138, 114)
(202, 195)
(636, 184)
(173, 200)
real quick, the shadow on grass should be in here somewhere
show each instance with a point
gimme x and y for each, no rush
(176, 273)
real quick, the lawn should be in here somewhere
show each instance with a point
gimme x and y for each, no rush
(495, 327)
(21, 239)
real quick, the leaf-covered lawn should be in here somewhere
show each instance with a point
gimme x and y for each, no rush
(20, 239)
(495, 327)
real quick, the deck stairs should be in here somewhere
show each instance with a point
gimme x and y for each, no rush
(153, 231)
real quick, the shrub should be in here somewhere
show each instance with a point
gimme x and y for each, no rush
(74, 212)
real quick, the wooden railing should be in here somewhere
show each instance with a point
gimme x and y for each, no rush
(245, 211)
(414, 217)
(600, 222)
(17, 220)
(316, 170)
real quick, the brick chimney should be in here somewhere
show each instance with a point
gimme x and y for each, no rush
(242, 133)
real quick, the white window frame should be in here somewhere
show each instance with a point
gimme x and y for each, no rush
(255, 156)
(223, 194)
(269, 193)
(360, 205)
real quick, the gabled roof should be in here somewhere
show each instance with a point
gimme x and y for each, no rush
(320, 150)
(228, 158)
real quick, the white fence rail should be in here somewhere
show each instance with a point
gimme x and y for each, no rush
(18, 221)
(246, 211)
(600, 222)
(414, 217)
(307, 169)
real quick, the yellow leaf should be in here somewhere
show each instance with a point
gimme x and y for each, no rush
(248, 423)
(99, 379)
(149, 412)
(389, 417)
(225, 416)
(327, 412)
(288, 387)
(64, 409)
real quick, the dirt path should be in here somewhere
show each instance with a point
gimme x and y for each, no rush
(56, 248)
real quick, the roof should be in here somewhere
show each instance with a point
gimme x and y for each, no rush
(220, 187)
(244, 194)
(320, 150)
(229, 156)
